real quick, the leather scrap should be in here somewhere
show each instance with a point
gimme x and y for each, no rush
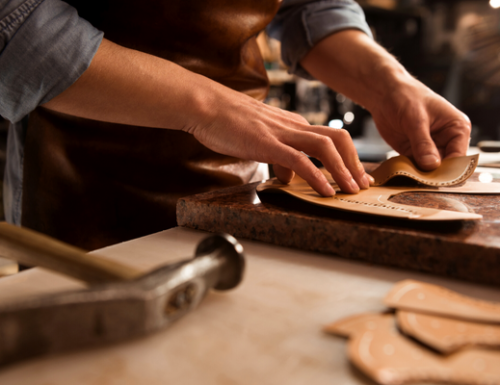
(447, 335)
(451, 172)
(432, 299)
(381, 352)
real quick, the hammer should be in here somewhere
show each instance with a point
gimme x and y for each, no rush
(120, 303)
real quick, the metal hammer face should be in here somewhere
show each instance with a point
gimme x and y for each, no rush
(116, 311)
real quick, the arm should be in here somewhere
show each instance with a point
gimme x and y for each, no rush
(415, 121)
(44, 48)
(330, 40)
(131, 87)
(47, 58)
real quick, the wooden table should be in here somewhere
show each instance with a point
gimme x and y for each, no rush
(267, 331)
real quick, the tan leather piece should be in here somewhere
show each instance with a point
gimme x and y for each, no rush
(426, 298)
(381, 352)
(92, 184)
(451, 172)
(447, 334)
(375, 200)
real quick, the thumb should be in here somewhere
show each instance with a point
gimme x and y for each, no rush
(423, 147)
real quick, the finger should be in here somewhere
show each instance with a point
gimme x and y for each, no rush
(458, 144)
(345, 146)
(423, 148)
(323, 148)
(453, 138)
(289, 158)
(285, 175)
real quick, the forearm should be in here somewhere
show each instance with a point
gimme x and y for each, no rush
(130, 87)
(351, 63)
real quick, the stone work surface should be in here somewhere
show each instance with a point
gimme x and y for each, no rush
(468, 250)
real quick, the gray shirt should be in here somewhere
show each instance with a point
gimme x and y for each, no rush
(45, 47)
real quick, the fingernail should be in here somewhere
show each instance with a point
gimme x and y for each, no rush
(329, 190)
(354, 185)
(429, 160)
(371, 179)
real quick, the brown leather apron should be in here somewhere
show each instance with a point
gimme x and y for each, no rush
(92, 183)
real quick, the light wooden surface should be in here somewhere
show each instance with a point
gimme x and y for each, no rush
(267, 331)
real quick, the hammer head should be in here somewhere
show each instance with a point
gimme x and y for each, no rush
(118, 311)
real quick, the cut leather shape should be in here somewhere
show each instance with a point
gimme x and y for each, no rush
(375, 200)
(381, 352)
(426, 298)
(451, 172)
(447, 334)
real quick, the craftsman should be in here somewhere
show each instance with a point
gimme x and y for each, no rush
(92, 165)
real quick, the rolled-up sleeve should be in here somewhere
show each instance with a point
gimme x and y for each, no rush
(300, 24)
(44, 48)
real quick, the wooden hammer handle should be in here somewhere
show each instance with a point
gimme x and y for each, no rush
(34, 249)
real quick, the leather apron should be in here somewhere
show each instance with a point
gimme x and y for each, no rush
(92, 183)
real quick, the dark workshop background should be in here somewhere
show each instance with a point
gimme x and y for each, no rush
(453, 46)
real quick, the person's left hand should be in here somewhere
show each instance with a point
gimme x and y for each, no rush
(422, 125)
(415, 121)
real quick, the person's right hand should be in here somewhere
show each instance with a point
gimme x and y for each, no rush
(130, 87)
(237, 125)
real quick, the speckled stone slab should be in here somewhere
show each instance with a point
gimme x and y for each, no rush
(468, 250)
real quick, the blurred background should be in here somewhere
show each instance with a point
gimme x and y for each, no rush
(453, 46)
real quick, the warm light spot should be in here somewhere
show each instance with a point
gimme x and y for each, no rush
(348, 117)
(495, 3)
(485, 177)
(336, 123)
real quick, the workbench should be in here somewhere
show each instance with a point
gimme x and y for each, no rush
(466, 250)
(266, 331)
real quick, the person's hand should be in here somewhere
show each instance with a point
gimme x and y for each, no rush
(130, 87)
(421, 125)
(410, 117)
(237, 125)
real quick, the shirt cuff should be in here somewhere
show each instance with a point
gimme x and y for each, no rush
(44, 48)
(300, 27)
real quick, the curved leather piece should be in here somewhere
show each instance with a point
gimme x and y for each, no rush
(447, 335)
(92, 183)
(375, 200)
(378, 349)
(451, 172)
(423, 297)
